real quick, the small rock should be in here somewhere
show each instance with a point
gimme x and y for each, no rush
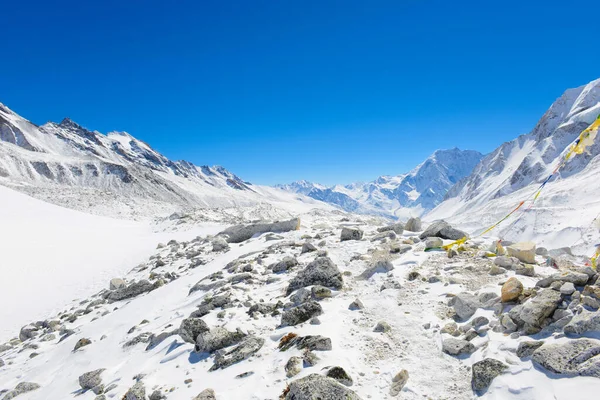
(91, 379)
(567, 288)
(511, 290)
(351, 234)
(293, 367)
(525, 270)
(382, 326)
(398, 382)
(527, 348)
(190, 328)
(308, 247)
(301, 313)
(356, 305)
(81, 343)
(136, 392)
(433, 243)
(457, 347)
(524, 251)
(496, 270)
(320, 292)
(484, 372)
(21, 388)
(316, 386)
(413, 225)
(340, 375)
(465, 305)
(117, 283)
(206, 394)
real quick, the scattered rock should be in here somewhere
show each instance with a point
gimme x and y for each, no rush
(540, 307)
(219, 244)
(356, 305)
(340, 375)
(136, 392)
(300, 296)
(567, 288)
(293, 367)
(381, 266)
(301, 313)
(576, 278)
(216, 339)
(465, 305)
(574, 357)
(284, 265)
(525, 270)
(241, 233)
(157, 395)
(316, 386)
(433, 243)
(308, 247)
(511, 290)
(248, 346)
(484, 372)
(351, 234)
(506, 262)
(117, 283)
(457, 347)
(524, 251)
(28, 332)
(496, 270)
(320, 292)
(443, 230)
(397, 228)
(206, 394)
(321, 271)
(583, 323)
(190, 328)
(21, 388)
(81, 343)
(398, 382)
(527, 348)
(91, 379)
(134, 289)
(382, 326)
(413, 225)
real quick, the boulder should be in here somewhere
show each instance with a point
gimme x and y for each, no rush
(82, 343)
(219, 244)
(511, 290)
(316, 386)
(574, 357)
(21, 388)
(584, 323)
(301, 313)
(91, 379)
(248, 346)
(310, 343)
(321, 271)
(465, 305)
(351, 234)
(443, 230)
(381, 266)
(300, 296)
(133, 290)
(398, 382)
(283, 265)
(433, 242)
(190, 328)
(540, 307)
(576, 278)
(356, 305)
(382, 326)
(526, 349)
(507, 262)
(525, 270)
(28, 332)
(241, 233)
(116, 283)
(320, 292)
(206, 394)
(413, 225)
(496, 270)
(216, 339)
(294, 366)
(308, 247)
(484, 372)
(397, 228)
(456, 347)
(567, 288)
(340, 375)
(136, 392)
(524, 251)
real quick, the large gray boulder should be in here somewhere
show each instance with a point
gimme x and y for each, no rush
(574, 357)
(136, 392)
(248, 346)
(190, 328)
(283, 265)
(583, 323)
(21, 388)
(443, 230)
(351, 234)
(465, 305)
(397, 228)
(219, 244)
(240, 233)
(117, 283)
(301, 313)
(576, 278)
(134, 289)
(321, 271)
(381, 266)
(524, 251)
(413, 225)
(216, 339)
(536, 309)
(484, 372)
(316, 386)
(91, 379)
(28, 332)
(456, 347)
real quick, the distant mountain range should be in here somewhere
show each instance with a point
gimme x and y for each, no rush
(411, 194)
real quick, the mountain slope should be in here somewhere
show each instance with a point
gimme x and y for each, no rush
(410, 194)
(514, 170)
(113, 174)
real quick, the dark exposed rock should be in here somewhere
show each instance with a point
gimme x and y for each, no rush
(248, 346)
(340, 375)
(216, 339)
(320, 387)
(301, 313)
(484, 373)
(321, 271)
(130, 291)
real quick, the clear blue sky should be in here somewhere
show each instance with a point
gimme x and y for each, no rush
(330, 91)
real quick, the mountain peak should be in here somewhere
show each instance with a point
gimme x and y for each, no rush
(69, 123)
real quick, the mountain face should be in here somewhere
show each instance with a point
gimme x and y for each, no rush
(399, 196)
(515, 169)
(111, 172)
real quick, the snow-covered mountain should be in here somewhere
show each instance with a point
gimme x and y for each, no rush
(410, 194)
(114, 174)
(514, 170)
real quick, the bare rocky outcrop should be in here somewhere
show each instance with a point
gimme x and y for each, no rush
(241, 233)
(321, 271)
(317, 386)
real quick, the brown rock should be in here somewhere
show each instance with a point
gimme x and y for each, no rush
(511, 290)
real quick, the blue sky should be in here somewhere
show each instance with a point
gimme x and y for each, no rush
(276, 91)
